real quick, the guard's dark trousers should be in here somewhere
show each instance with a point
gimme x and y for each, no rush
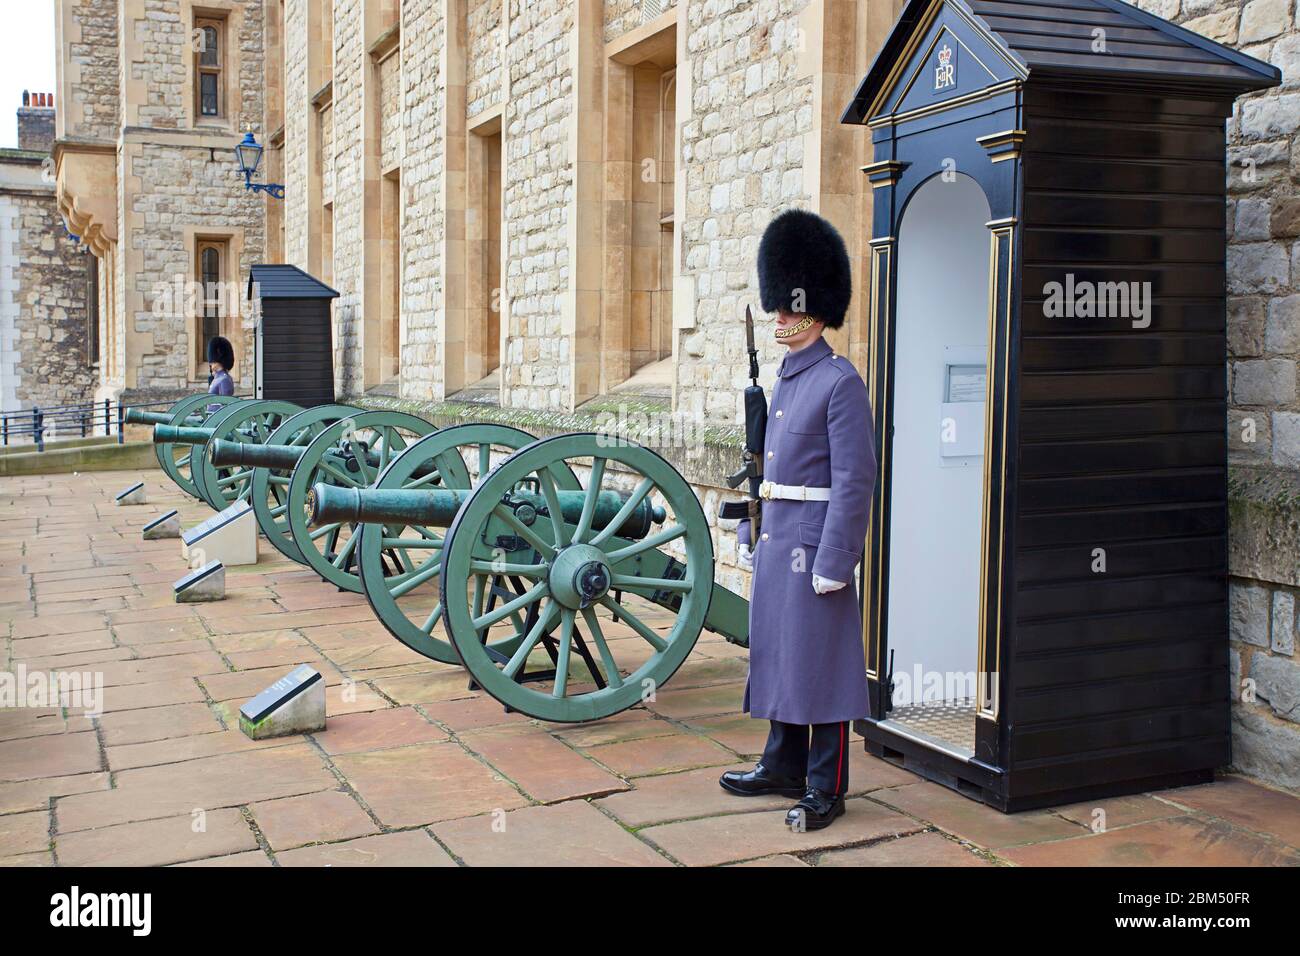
(825, 762)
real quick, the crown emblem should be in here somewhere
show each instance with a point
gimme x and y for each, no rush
(945, 55)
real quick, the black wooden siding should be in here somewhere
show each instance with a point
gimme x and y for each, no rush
(297, 351)
(1121, 445)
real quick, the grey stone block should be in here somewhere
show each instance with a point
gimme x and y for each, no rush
(1284, 623)
(1248, 613)
(208, 583)
(166, 526)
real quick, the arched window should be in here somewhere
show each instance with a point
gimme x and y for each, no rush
(211, 276)
(209, 67)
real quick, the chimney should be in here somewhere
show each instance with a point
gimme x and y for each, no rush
(36, 122)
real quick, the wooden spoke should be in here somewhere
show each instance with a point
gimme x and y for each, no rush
(589, 502)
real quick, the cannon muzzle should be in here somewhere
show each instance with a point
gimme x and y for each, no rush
(181, 435)
(229, 454)
(437, 507)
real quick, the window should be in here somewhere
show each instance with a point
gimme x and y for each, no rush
(212, 297)
(92, 309)
(209, 62)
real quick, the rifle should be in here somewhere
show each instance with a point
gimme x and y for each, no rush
(751, 469)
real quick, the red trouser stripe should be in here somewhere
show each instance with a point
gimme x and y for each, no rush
(839, 762)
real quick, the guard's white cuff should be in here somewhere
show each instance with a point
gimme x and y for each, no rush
(745, 557)
(822, 586)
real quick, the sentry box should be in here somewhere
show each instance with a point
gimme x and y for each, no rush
(1044, 586)
(295, 357)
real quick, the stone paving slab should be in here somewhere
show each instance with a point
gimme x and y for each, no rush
(415, 767)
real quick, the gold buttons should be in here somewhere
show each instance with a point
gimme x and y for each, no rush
(779, 413)
(764, 536)
(770, 454)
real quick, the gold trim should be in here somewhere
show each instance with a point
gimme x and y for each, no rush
(1000, 229)
(907, 87)
(1005, 221)
(918, 36)
(895, 119)
(881, 260)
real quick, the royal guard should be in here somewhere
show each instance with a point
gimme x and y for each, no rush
(221, 359)
(807, 673)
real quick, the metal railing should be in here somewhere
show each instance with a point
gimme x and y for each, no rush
(84, 420)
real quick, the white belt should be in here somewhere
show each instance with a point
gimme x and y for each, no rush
(770, 489)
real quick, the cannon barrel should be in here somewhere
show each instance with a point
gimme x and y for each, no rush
(138, 416)
(181, 435)
(436, 508)
(227, 454)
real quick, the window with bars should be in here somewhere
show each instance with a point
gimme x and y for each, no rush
(209, 62)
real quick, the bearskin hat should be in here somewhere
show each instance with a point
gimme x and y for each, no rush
(222, 352)
(803, 266)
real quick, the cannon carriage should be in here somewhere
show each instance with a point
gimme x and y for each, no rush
(571, 576)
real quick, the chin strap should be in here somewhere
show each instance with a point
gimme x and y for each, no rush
(801, 326)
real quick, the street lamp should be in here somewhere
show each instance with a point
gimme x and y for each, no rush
(249, 154)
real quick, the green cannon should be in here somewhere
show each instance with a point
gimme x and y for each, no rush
(191, 411)
(334, 444)
(245, 421)
(571, 578)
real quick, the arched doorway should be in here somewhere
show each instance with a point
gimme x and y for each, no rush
(937, 491)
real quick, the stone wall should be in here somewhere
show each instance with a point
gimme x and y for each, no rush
(178, 187)
(43, 331)
(348, 160)
(622, 16)
(538, 172)
(1264, 346)
(299, 115)
(91, 108)
(483, 58)
(423, 171)
(742, 158)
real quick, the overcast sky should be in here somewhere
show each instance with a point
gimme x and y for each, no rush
(26, 58)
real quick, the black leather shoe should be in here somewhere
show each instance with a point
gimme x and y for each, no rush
(816, 811)
(759, 782)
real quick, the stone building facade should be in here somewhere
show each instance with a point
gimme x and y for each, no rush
(47, 347)
(1264, 346)
(154, 95)
(546, 211)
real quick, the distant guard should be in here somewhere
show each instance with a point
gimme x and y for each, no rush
(221, 359)
(807, 672)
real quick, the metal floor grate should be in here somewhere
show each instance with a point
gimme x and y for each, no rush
(951, 721)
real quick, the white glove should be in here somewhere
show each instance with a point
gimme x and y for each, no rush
(823, 586)
(745, 557)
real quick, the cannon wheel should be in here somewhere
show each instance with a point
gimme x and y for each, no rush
(271, 485)
(245, 421)
(330, 550)
(175, 459)
(617, 620)
(406, 602)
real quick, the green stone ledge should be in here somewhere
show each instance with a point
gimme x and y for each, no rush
(712, 453)
(1264, 524)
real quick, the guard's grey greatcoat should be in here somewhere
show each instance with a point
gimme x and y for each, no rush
(806, 663)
